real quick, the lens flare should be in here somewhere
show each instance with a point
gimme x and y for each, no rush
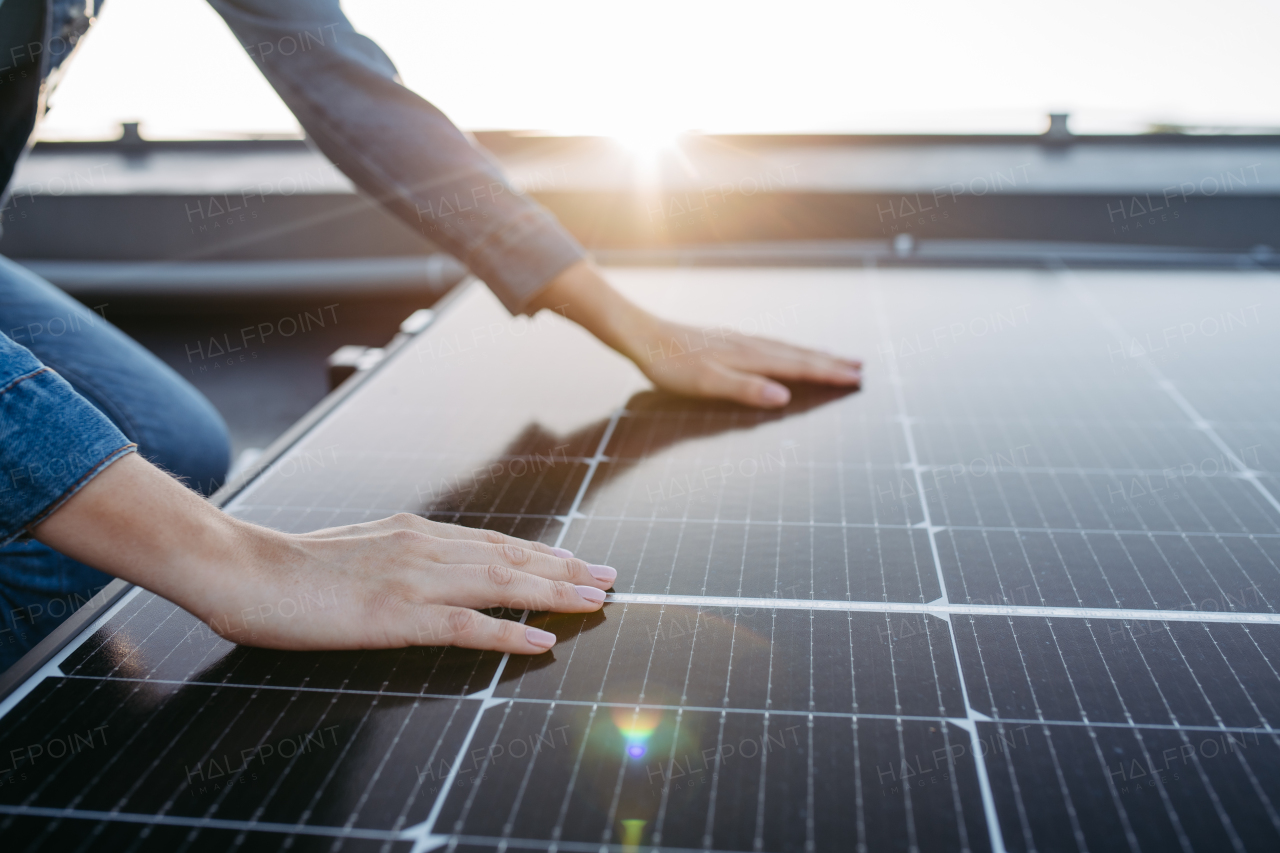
(636, 725)
(632, 834)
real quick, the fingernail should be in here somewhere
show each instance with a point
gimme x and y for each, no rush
(540, 638)
(603, 573)
(590, 593)
(852, 373)
(775, 395)
(562, 553)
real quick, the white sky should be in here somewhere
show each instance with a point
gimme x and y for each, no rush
(661, 66)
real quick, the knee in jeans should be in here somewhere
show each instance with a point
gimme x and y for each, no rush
(191, 443)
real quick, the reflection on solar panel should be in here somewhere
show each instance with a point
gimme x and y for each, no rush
(1017, 594)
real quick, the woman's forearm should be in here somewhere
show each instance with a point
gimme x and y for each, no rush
(685, 360)
(397, 582)
(582, 294)
(135, 522)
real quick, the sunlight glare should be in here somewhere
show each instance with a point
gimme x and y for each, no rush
(647, 141)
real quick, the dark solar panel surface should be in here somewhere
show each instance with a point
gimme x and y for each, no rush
(1017, 594)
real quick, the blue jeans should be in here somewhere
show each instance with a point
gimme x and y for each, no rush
(173, 425)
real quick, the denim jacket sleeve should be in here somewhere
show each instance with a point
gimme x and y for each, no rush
(52, 441)
(399, 148)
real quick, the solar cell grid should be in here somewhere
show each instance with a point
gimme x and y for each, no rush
(856, 624)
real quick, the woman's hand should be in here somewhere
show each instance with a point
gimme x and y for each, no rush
(728, 365)
(712, 362)
(402, 581)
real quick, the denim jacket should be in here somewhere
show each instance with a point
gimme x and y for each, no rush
(52, 441)
(397, 147)
(346, 93)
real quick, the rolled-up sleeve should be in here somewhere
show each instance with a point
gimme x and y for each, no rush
(52, 441)
(399, 148)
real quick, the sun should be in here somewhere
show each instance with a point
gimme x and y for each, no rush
(647, 141)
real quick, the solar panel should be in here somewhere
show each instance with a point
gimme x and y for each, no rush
(1016, 594)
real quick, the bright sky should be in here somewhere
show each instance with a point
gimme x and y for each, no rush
(662, 66)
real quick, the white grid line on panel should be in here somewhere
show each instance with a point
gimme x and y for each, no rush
(423, 832)
(942, 610)
(895, 378)
(994, 528)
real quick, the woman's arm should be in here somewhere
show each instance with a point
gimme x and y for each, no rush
(402, 581)
(408, 155)
(684, 359)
